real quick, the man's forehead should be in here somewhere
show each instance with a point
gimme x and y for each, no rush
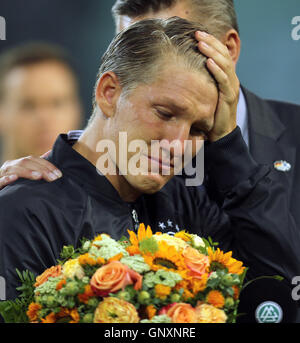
(180, 9)
(183, 91)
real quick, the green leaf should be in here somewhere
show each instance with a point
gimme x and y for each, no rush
(124, 241)
(14, 311)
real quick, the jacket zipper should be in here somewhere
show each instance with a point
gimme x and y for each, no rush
(135, 218)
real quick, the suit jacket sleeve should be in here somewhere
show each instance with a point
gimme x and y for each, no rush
(259, 228)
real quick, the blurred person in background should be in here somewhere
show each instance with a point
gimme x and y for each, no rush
(39, 99)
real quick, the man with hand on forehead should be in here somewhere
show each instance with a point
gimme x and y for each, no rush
(270, 128)
(135, 94)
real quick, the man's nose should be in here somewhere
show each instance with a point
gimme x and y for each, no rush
(176, 137)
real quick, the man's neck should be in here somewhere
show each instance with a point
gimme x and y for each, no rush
(87, 147)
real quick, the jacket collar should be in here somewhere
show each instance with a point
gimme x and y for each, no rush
(71, 163)
(262, 119)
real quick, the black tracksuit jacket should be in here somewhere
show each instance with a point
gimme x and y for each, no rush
(38, 218)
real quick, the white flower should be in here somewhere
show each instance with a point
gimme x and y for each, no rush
(86, 246)
(197, 241)
(213, 275)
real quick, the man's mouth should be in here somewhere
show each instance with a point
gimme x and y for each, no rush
(163, 164)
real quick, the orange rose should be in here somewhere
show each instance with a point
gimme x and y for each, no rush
(114, 310)
(113, 277)
(182, 313)
(196, 262)
(51, 272)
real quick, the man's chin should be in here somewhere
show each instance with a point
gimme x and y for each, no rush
(149, 184)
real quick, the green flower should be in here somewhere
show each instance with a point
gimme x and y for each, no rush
(48, 287)
(161, 277)
(158, 319)
(88, 318)
(144, 298)
(107, 248)
(136, 263)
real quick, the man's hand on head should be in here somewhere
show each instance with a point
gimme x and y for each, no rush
(32, 168)
(222, 68)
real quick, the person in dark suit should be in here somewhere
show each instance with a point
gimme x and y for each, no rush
(274, 139)
(268, 127)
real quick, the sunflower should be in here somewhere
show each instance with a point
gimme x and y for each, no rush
(225, 260)
(135, 239)
(167, 258)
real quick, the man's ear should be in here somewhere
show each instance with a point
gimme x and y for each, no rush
(233, 42)
(107, 93)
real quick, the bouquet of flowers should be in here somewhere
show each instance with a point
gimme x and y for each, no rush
(146, 278)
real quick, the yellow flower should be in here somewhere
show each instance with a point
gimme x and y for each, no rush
(88, 293)
(141, 234)
(234, 266)
(115, 258)
(151, 311)
(209, 314)
(73, 268)
(71, 314)
(97, 238)
(199, 285)
(215, 298)
(75, 316)
(60, 284)
(186, 286)
(51, 318)
(175, 242)
(135, 239)
(184, 236)
(162, 291)
(236, 292)
(166, 258)
(87, 259)
(32, 312)
(114, 310)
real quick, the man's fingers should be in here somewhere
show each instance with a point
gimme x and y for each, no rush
(41, 165)
(28, 173)
(33, 168)
(221, 66)
(212, 41)
(219, 75)
(6, 180)
(222, 61)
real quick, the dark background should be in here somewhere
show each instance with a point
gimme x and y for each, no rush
(269, 64)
